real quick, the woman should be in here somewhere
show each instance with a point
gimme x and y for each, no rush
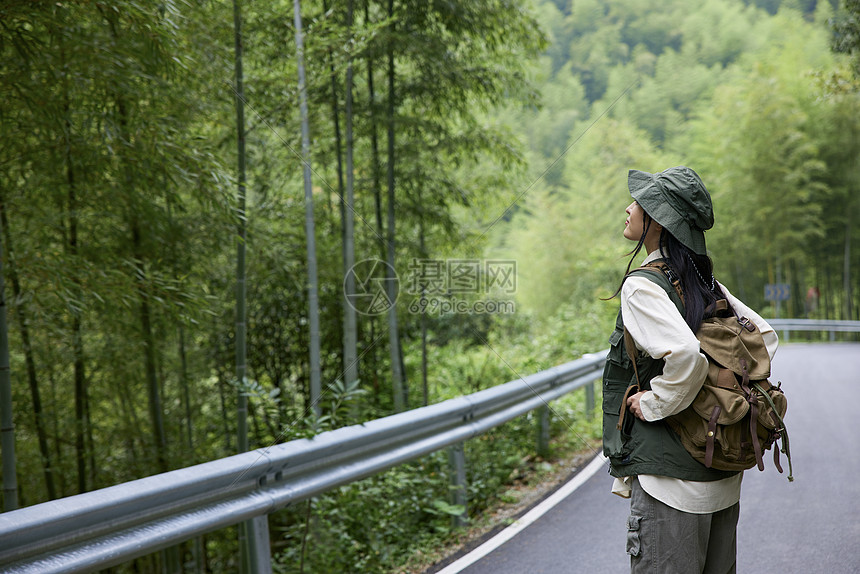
(683, 516)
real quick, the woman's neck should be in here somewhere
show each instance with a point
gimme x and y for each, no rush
(651, 244)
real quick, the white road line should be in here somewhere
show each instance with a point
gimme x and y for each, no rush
(528, 518)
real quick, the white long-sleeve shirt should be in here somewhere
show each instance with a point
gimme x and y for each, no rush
(659, 329)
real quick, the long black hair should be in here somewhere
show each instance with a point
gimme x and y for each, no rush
(696, 273)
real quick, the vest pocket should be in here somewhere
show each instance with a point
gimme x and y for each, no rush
(612, 440)
(617, 352)
(616, 378)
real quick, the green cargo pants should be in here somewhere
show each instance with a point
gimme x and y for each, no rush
(663, 540)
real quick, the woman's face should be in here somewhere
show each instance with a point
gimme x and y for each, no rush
(635, 224)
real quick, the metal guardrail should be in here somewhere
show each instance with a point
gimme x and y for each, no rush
(813, 325)
(113, 525)
(831, 326)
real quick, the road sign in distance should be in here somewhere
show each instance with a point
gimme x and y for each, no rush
(777, 292)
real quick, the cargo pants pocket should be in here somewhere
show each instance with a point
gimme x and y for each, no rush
(634, 547)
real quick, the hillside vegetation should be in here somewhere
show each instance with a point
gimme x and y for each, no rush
(753, 101)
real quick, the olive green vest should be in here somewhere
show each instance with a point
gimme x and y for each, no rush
(643, 447)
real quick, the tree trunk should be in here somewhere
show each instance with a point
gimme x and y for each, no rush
(70, 243)
(423, 317)
(394, 338)
(81, 398)
(796, 291)
(335, 112)
(375, 359)
(225, 418)
(55, 429)
(90, 441)
(350, 328)
(846, 268)
(255, 424)
(129, 414)
(7, 427)
(241, 327)
(186, 392)
(374, 147)
(156, 415)
(377, 193)
(245, 529)
(184, 383)
(29, 359)
(313, 303)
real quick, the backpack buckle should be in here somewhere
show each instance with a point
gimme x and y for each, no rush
(746, 324)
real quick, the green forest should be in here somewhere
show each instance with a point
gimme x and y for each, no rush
(226, 225)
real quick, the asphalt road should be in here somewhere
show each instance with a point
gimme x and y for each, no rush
(808, 526)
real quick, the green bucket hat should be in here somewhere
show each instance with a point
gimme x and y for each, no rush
(677, 200)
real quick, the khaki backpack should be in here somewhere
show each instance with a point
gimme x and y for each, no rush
(738, 413)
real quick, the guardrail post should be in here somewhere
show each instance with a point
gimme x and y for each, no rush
(172, 563)
(832, 335)
(258, 540)
(543, 431)
(197, 553)
(589, 401)
(457, 462)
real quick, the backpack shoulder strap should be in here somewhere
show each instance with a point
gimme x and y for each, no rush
(663, 275)
(672, 284)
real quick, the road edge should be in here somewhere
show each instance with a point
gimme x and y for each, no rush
(526, 519)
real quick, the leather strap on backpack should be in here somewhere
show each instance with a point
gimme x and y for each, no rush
(662, 268)
(781, 432)
(753, 414)
(629, 345)
(715, 308)
(709, 441)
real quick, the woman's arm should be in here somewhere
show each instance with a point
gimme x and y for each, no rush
(659, 329)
